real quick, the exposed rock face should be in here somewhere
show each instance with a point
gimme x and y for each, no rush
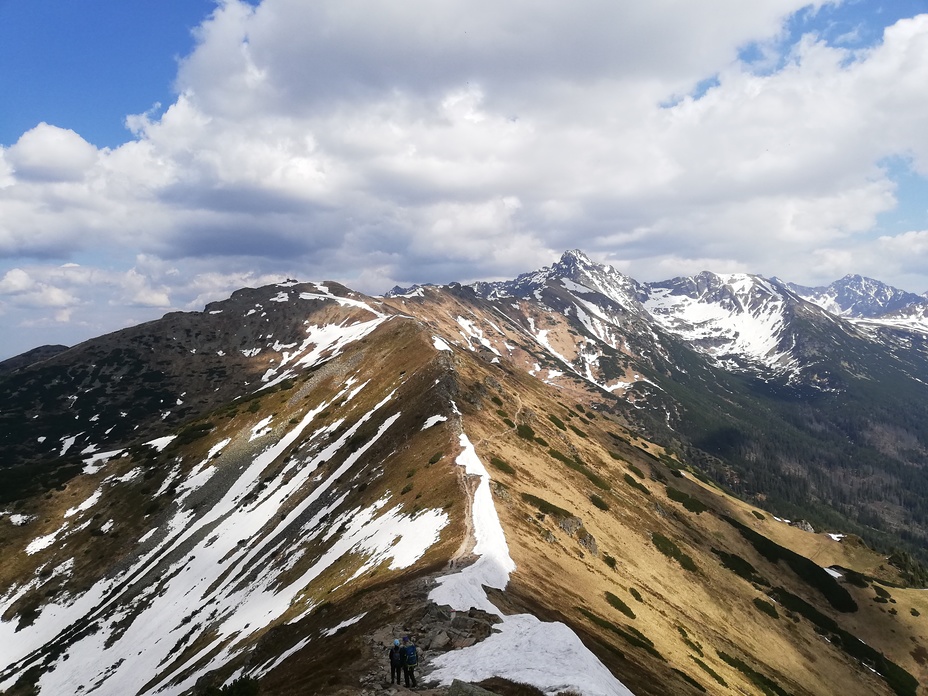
(803, 525)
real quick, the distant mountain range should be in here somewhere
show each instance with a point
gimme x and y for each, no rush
(571, 480)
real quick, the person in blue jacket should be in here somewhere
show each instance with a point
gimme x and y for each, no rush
(396, 661)
(410, 661)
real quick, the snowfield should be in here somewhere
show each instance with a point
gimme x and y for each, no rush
(547, 655)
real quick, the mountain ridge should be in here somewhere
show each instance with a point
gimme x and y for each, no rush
(298, 466)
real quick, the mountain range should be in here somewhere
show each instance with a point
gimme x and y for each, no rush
(570, 482)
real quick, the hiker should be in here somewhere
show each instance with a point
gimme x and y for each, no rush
(410, 661)
(396, 661)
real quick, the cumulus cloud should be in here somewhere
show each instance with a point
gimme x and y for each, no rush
(33, 293)
(48, 153)
(423, 141)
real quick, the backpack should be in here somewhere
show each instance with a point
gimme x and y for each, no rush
(412, 658)
(396, 655)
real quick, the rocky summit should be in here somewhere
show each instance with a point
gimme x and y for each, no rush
(567, 483)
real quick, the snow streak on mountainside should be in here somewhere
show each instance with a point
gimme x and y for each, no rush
(259, 499)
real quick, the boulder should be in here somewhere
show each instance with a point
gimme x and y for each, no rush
(460, 688)
(439, 640)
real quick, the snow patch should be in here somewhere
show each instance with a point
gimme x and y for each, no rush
(261, 429)
(434, 420)
(161, 442)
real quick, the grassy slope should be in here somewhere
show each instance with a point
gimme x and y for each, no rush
(684, 614)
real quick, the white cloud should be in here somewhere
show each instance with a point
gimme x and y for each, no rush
(26, 291)
(424, 141)
(49, 153)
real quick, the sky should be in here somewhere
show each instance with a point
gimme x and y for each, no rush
(156, 156)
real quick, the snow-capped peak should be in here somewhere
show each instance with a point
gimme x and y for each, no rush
(858, 297)
(737, 316)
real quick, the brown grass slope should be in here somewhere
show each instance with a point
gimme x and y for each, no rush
(585, 535)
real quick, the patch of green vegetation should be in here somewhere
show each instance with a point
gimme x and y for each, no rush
(711, 672)
(900, 681)
(576, 430)
(243, 686)
(191, 433)
(541, 441)
(609, 560)
(616, 456)
(766, 607)
(627, 633)
(501, 413)
(854, 578)
(617, 603)
(670, 549)
(557, 421)
(509, 422)
(502, 466)
(525, 431)
(758, 515)
(689, 680)
(406, 489)
(914, 612)
(410, 473)
(702, 477)
(496, 400)
(634, 483)
(636, 471)
(435, 458)
(763, 682)
(689, 502)
(913, 571)
(580, 408)
(881, 592)
(690, 643)
(254, 407)
(544, 506)
(636, 594)
(579, 466)
(560, 456)
(811, 573)
(740, 567)
(598, 502)
(355, 442)
(18, 482)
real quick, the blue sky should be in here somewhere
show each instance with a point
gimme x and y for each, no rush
(86, 65)
(158, 155)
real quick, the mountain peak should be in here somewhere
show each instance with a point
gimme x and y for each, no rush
(859, 297)
(573, 259)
